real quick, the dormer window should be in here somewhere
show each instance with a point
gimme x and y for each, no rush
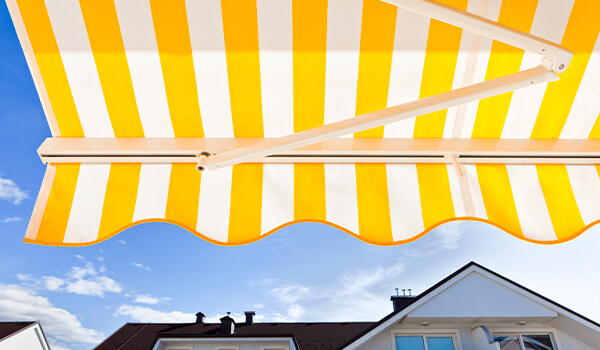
(524, 341)
(425, 342)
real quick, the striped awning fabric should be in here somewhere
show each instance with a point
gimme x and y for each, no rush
(268, 68)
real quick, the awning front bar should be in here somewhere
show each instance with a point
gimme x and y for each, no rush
(336, 151)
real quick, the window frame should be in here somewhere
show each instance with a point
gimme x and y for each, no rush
(534, 331)
(453, 333)
(178, 347)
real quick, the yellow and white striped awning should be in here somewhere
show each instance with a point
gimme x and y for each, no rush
(146, 75)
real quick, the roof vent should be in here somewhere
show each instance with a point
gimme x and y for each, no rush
(200, 318)
(249, 317)
(402, 301)
(227, 325)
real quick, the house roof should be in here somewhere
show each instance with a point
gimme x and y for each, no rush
(316, 336)
(307, 336)
(10, 328)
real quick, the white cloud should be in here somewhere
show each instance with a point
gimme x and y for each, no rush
(22, 303)
(146, 314)
(121, 241)
(447, 236)
(12, 219)
(149, 299)
(53, 283)
(366, 290)
(140, 266)
(82, 280)
(93, 287)
(10, 191)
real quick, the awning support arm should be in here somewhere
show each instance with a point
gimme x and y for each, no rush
(556, 56)
(389, 115)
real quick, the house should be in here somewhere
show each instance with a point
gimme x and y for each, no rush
(472, 309)
(22, 336)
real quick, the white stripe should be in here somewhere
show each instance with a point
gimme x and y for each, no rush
(459, 80)
(586, 106)
(214, 203)
(153, 192)
(80, 67)
(550, 22)
(481, 64)
(408, 60)
(278, 196)
(344, 18)
(478, 204)
(88, 201)
(210, 65)
(276, 66)
(405, 201)
(457, 200)
(340, 196)
(586, 188)
(530, 203)
(137, 29)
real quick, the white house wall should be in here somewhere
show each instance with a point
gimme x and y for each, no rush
(476, 296)
(27, 339)
(569, 342)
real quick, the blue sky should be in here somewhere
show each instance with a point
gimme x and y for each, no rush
(162, 273)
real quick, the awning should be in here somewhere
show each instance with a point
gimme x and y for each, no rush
(139, 95)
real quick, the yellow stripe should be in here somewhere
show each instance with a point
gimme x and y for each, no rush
(51, 66)
(375, 64)
(240, 28)
(184, 193)
(309, 21)
(438, 72)
(580, 37)
(375, 61)
(560, 200)
(175, 51)
(246, 203)
(498, 197)
(56, 215)
(434, 189)
(119, 200)
(309, 192)
(504, 59)
(102, 26)
(595, 133)
(374, 222)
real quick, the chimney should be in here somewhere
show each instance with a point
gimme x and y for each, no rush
(249, 317)
(200, 318)
(227, 325)
(402, 301)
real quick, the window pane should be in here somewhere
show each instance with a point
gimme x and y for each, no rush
(510, 342)
(537, 342)
(440, 343)
(413, 342)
